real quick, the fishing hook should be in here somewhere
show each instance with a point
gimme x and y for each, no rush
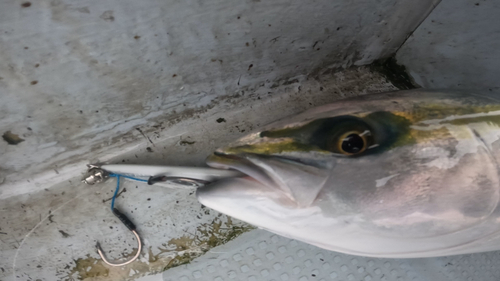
(131, 226)
(177, 175)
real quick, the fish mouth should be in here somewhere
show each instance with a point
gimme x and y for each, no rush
(298, 181)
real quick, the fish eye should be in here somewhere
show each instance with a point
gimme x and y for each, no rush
(345, 135)
(351, 143)
(350, 139)
(341, 135)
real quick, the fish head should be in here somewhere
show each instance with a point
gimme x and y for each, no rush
(406, 165)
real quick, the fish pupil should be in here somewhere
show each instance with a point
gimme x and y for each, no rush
(353, 143)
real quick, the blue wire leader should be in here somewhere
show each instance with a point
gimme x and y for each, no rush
(117, 176)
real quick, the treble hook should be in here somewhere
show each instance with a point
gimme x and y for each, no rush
(131, 226)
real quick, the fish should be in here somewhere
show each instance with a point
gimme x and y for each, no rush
(405, 174)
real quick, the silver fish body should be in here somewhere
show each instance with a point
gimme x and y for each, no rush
(401, 175)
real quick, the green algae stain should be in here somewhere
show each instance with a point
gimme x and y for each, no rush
(212, 235)
(87, 268)
(177, 251)
(180, 260)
